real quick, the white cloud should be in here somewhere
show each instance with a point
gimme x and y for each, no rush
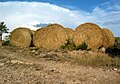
(108, 18)
(23, 13)
(18, 13)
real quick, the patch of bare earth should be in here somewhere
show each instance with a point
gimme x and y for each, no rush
(28, 66)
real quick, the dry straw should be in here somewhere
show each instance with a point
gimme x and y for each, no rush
(33, 32)
(89, 33)
(1, 43)
(70, 33)
(21, 37)
(51, 37)
(109, 39)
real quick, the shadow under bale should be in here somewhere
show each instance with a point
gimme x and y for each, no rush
(113, 52)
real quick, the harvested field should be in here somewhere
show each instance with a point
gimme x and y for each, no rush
(39, 66)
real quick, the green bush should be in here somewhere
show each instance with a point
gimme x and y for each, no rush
(5, 43)
(68, 46)
(82, 46)
(117, 38)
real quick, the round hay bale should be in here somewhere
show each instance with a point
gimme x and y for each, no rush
(89, 33)
(21, 37)
(51, 37)
(70, 33)
(108, 38)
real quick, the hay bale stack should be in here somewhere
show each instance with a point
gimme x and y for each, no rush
(108, 38)
(21, 37)
(89, 33)
(70, 33)
(51, 37)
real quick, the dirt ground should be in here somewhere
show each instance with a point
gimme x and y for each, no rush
(26, 66)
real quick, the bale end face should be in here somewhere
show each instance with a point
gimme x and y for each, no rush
(89, 33)
(51, 37)
(21, 37)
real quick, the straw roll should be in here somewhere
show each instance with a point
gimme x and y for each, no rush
(21, 37)
(51, 37)
(89, 33)
(109, 39)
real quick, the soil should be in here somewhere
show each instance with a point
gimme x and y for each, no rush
(31, 66)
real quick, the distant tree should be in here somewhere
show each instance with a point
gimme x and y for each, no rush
(6, 40)
(3, 29)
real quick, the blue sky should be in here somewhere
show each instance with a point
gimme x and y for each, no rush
(69, 13)
(86, 5)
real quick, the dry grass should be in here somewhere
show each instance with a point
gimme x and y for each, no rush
(98, 61)
(89, 33)
(84, 58)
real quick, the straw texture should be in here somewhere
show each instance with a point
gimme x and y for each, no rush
(51, 37)
(1, 43)
(109, 39)
(89, 33)
(21, 37)
(70, 33)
